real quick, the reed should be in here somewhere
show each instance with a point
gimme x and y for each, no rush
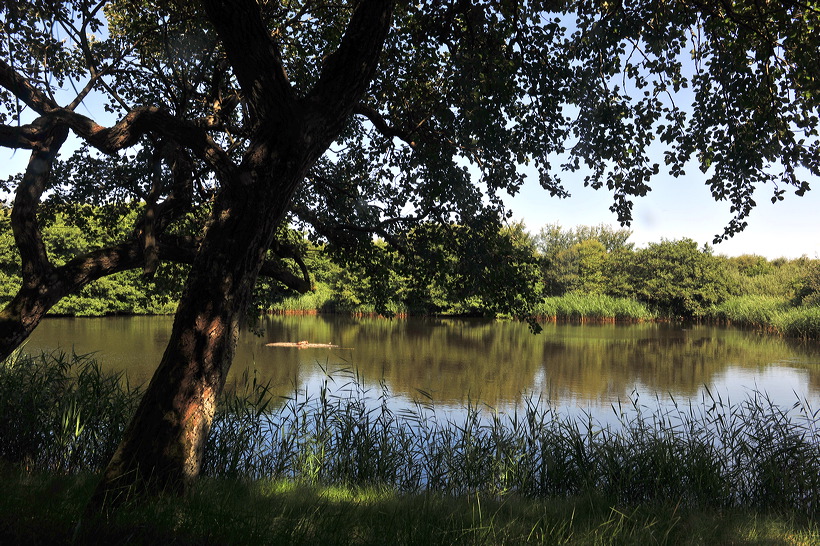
(62, 414)
(772, 314)
(711, 454)
(753, 311)
(350, 464)
(800, 322)
(304, 303)
(597, 307)
(324, 300)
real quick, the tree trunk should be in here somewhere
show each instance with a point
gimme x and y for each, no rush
(163, 446)
(20, 317)
(35, 297)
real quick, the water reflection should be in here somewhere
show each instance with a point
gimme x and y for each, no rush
(485, 361)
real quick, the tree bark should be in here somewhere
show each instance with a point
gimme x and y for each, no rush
(163, 445)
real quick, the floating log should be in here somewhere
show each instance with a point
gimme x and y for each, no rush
(303, 345)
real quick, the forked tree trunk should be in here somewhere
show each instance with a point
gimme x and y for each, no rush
(164, 443)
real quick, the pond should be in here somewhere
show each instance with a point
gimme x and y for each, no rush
(576, 367)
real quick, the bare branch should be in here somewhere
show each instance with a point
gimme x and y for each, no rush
(184, 250)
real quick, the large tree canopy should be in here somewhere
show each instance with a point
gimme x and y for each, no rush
(362, 118)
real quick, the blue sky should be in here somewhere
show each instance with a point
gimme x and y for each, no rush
(683, 207)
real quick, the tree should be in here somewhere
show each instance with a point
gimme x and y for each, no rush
(580, 268)
(262, 113)
(71, 229)
(500, 274)
(552, 238)
(678, 277)
(577, 258)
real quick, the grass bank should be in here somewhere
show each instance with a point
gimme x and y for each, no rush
(324, 300)
(344, 467)
(570, 307)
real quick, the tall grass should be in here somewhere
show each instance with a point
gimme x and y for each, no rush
(309, 302)
(711, 454)
(59, 412)
(62, 414)
(773, 314)
(599, 307)
(801, 322)
(324, 300)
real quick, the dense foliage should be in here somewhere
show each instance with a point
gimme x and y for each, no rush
(671, 278)
(88, 227)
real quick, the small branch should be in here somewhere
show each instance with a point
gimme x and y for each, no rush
(141, 121)
(381, 124)
(184, 250)
(333, 230)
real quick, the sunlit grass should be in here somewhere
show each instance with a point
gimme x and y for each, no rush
(324, 300)
(45, 508)
(775, 315)
(303, 303)
(583, 307)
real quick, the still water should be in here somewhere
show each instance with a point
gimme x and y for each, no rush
(586, 367)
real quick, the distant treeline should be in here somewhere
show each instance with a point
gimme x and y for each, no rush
(581, 273)
(596, 274)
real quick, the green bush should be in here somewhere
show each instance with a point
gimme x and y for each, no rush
(807, 286)
(677, 278)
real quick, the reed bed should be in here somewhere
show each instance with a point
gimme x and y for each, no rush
(62, 414)
(588, 308)
(323, 300)
(310, 302)
(754, 311)
(800, 322)
(774, 315)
